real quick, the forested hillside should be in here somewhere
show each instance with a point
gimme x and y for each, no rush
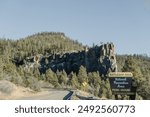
(41, 43)
(12, 68)
(139, 65)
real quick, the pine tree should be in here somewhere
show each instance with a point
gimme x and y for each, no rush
(62, 77)
(52, 78)
(94, 79)
(82, 75)
(131, 65)
(73, 81)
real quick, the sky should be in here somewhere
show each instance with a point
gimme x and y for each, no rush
(126, 23)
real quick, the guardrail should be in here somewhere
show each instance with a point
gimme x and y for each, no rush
(75, 92)
(68, 96)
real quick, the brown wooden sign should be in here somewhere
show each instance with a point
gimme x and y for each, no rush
(121, 83)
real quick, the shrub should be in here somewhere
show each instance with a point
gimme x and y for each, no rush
(6, 87)
(34, 84)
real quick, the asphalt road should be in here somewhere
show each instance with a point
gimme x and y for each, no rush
(50, 94)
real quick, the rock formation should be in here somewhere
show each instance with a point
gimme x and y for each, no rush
(99, 58)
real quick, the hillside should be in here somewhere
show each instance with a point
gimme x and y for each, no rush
(60, 62)
(40, 43)
(139, 65)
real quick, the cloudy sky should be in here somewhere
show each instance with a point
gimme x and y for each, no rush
(126, 23)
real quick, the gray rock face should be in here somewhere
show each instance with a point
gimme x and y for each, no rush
(99, 58)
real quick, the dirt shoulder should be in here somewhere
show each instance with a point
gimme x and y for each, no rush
(9, 91)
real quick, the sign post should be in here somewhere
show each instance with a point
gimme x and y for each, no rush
(121, 83)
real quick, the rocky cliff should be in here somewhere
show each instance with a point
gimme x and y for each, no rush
(98, 58)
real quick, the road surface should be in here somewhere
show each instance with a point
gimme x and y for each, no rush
(48, 94)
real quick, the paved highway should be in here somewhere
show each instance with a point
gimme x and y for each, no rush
(49, 94)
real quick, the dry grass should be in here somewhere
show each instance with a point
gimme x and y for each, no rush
(6, 87)
(9, 90)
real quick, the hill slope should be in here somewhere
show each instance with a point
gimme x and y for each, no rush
(40, 43)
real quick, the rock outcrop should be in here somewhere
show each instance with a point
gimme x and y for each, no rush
(99, 58)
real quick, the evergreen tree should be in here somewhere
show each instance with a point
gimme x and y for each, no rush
(94, 79)
(131, 65)
(73, 81)
(62, 77)
(82, 75)
(52, 78)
